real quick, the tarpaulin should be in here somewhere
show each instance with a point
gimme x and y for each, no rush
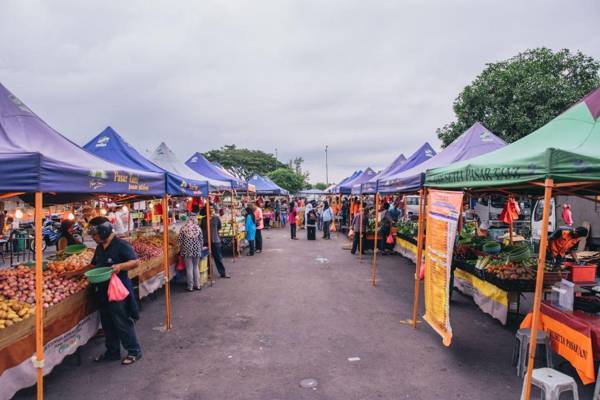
(201, 165)
(266, 186)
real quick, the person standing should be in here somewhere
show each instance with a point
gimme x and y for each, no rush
(327, 218)
(356, 226)
(276, 212)
(216, 245)
(250, 230)
(293, 211)
(310, 222)
(117, 317)
(260, 225)
(190, 248)
(385, 228)
(284, 212)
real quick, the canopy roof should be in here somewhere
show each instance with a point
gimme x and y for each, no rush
(336, 188)
(566, 149)
(264, 185)
(371, 185)
(201, 165)
(422, 154)
(35, 157)
(476, 140)
(364, 176)
(188, 179)
(311, 192)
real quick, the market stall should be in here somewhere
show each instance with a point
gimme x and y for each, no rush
(34, 158)
(560, 157)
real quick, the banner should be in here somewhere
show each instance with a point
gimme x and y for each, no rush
(443, 211)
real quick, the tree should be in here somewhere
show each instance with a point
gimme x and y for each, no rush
(515, 97)
(244, 162)
(296, 165)
(320, 186)
(288, 179)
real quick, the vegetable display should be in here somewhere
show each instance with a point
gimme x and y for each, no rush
(147, 247)
(12, 311)
(19, 284)
(72, 263)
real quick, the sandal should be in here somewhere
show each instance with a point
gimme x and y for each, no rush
(130, 360)
(104, 358)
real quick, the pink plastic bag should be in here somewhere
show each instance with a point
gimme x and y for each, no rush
(390, 239)
(116, 290)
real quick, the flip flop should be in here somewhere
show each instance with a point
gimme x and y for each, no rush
(130, 360)
(104, 358)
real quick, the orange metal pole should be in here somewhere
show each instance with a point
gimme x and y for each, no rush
(375, 247)
(539, 285)
(360, 229)
(233, 224)
(39, 295)
(165, 218)
(419, 261)
(210, 266)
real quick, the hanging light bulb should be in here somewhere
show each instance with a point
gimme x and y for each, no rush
(19, 214)
(71, 216)
(125, 209)
(103, 211)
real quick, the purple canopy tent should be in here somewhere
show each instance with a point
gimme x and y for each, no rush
(336, 188)
(201, 165)
(475, 141)
(370, 186)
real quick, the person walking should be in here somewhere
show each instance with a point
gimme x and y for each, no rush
(310, 222)
(190, 248)
(216, 245)
(250, 230)
(356, 227)
(327, 218)
(293, 211)
(260, 225)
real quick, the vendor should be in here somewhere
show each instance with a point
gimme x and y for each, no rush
(564, 241)
(117, 317)
(66, 235)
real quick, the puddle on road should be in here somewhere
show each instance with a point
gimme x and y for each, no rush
(322, 260)
(309, 383)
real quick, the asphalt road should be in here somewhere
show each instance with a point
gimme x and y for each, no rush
(300, 310)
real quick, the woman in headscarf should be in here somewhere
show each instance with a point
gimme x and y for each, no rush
(250, 229)
(190, 248)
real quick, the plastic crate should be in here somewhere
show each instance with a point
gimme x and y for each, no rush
(583, 273)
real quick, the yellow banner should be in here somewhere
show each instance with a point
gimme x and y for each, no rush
(443, 211)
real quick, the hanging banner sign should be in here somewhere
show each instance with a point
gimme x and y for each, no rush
(443, 212)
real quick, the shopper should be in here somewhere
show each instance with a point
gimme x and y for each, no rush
(215, 242)
(260, 225)
(283, 213)
(276, 212)
(293, 211)
(190, 248)
(385, 228)
(356, 226)
(117, 317)
(310, 222)
(327, 218)
(250, 230)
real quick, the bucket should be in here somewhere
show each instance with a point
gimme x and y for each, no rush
(203, 271)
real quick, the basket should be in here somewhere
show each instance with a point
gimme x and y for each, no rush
(99, 275)
(583, 273)
(31, 264)
(75, 249)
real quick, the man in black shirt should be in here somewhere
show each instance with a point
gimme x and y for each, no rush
(117, 316)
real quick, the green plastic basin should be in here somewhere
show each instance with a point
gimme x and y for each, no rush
(75, 249)
(98, 275)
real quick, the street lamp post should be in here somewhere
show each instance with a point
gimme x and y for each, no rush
(326, 167)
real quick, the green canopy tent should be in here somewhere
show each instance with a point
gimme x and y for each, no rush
(562, 156)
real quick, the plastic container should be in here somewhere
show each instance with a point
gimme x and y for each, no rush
(75, 249)
(563, 294)
(98, 275)
(583, 273)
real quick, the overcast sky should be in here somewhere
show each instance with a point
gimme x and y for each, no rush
(371, 79)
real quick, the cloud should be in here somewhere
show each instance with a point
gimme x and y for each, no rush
(368, 79)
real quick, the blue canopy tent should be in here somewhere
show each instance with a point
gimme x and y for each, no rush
(475, 141)
(201, 165)
(111, 146)
(266, 186)
(422, 154)
(336, 188)
(35, 158)
(367, 174)
(370, 186)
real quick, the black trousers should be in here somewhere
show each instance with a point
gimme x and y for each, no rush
(251, 247)
(119, 329)
(293, 230)
(258, 240)
(355, 242)
(326, 231)
(311, 232)
(217, 253)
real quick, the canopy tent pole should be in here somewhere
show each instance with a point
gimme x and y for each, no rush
(165, 217)
(360, 229)
(510, 226)
(39, 295)
(419, 261)
(539, 284)
(350, 211)
(375, 247)
(210, 266)
(233, 224)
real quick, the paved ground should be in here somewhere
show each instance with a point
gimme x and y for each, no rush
(285, 316)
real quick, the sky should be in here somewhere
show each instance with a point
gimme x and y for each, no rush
(369, 79)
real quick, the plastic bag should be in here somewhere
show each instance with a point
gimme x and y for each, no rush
(180, 263)
(333, 228)
(116, 290)
(351, 233)
(390, 239)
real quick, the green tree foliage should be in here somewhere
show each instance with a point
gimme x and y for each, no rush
(515, 97)
(288, 179)
(244, 162)
(320, 186)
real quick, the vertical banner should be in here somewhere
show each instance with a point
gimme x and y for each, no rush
(443, 211)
